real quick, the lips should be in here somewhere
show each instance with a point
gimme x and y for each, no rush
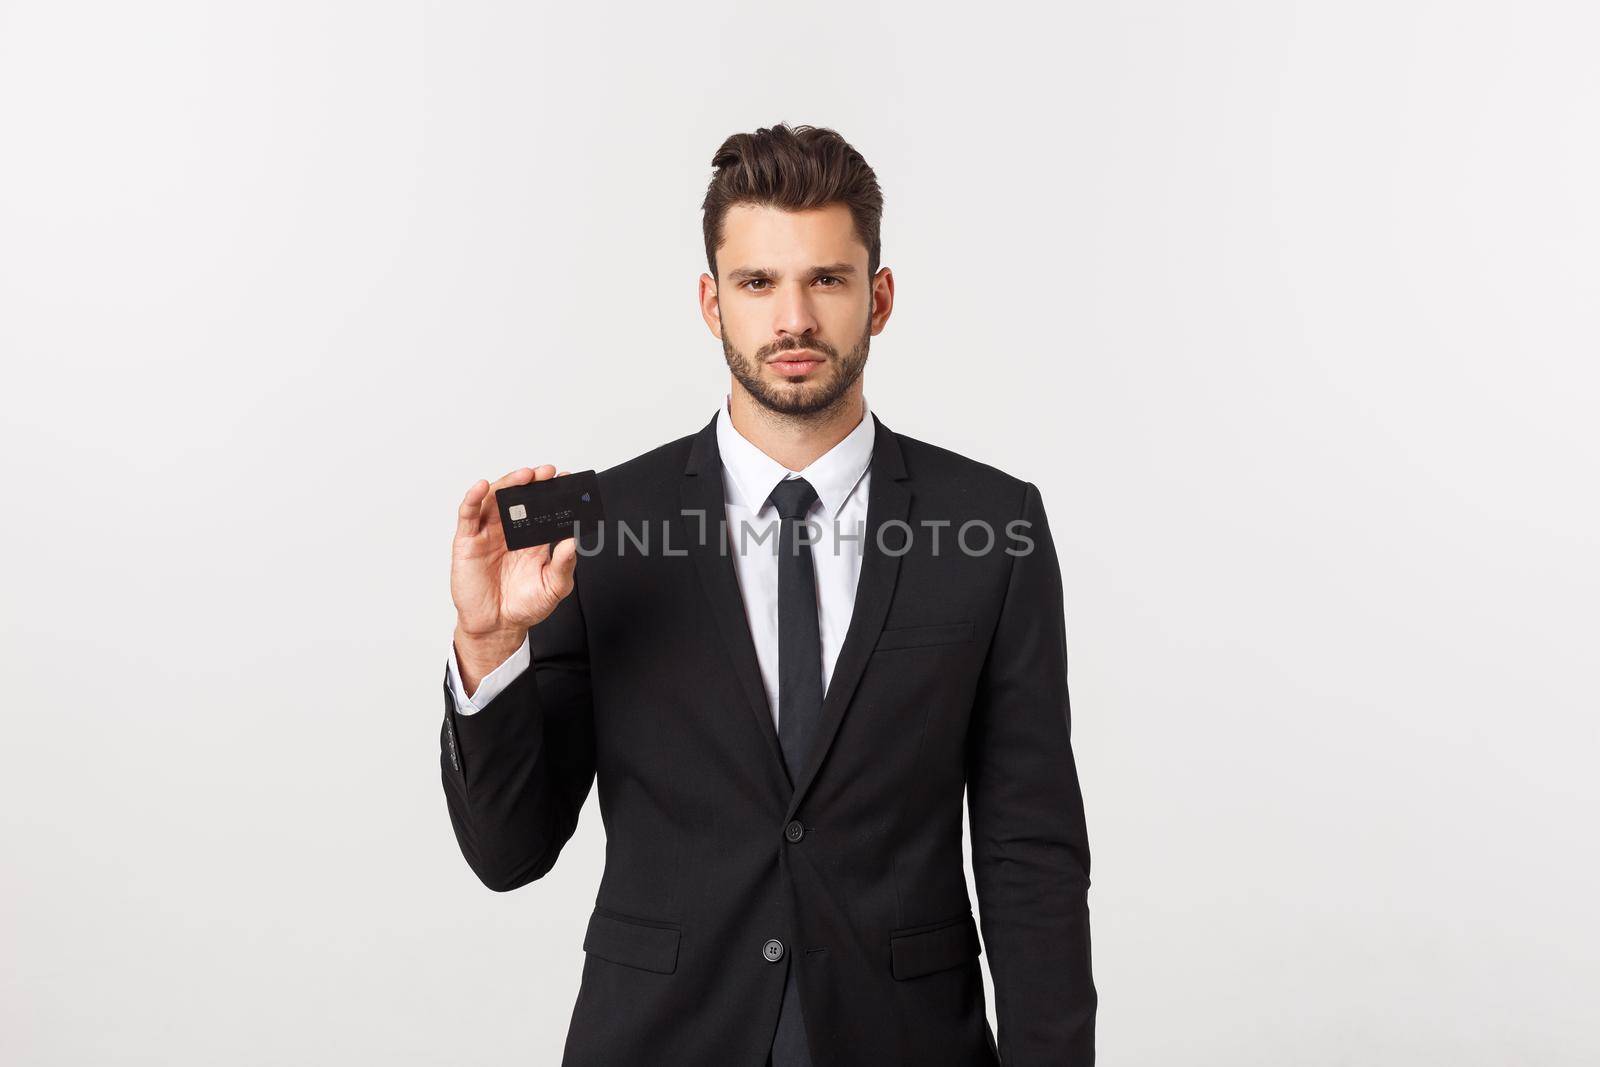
(795, 364)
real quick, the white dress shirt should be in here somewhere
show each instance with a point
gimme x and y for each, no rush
(842, 478)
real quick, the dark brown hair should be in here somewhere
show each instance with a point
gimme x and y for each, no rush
(794, 169)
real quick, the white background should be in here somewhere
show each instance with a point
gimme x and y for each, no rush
(1288, 308)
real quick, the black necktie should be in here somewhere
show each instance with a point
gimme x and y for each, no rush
(799, 640)
(799, 707)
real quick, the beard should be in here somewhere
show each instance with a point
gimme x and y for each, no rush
(816, 396)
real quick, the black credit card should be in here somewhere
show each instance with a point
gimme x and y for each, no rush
(542, 513)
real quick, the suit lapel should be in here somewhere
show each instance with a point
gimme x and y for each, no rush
(888, 501)
(701, 526)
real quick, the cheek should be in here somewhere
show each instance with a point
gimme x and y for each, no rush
(744, 340)
(737, 322)
(844, 331)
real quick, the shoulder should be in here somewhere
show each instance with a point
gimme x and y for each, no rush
(646, 486)
(651, 466)
(961, 482)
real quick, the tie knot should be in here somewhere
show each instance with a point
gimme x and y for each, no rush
(793, 497)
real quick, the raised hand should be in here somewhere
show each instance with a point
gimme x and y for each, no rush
(499, 594)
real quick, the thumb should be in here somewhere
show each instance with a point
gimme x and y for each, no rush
(563, 560)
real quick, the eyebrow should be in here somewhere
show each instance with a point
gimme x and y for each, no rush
(768, 274)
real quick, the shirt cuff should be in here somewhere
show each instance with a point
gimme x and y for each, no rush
(492, 684)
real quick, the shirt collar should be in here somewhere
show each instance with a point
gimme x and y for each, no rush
(833, 474)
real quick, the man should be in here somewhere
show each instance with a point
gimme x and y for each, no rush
(782, 725)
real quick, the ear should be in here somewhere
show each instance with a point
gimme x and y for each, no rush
(710, 305)
(882, 299)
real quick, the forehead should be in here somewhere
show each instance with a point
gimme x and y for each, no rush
(758, 235)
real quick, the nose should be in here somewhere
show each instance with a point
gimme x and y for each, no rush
(793, 314)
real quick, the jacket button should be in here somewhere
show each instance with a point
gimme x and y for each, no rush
(794, 831)
(772, 951)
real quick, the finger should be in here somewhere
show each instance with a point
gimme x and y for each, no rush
(469, 517)
(521, 476)
(563, 559)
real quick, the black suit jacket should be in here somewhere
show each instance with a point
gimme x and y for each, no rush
(952, 676)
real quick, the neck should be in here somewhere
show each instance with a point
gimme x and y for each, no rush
(795, 440)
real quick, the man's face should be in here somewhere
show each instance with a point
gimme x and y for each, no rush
(794, 306)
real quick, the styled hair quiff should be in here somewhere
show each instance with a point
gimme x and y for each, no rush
(795, 169)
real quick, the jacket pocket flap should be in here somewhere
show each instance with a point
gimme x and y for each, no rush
(632, 943)
(925, 951)
(913, 636)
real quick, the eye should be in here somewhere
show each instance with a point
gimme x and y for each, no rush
(754, 282)
(830, 278)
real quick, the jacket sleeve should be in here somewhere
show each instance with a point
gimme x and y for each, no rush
(491, 685)
(517, 772)
(1030, 849)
